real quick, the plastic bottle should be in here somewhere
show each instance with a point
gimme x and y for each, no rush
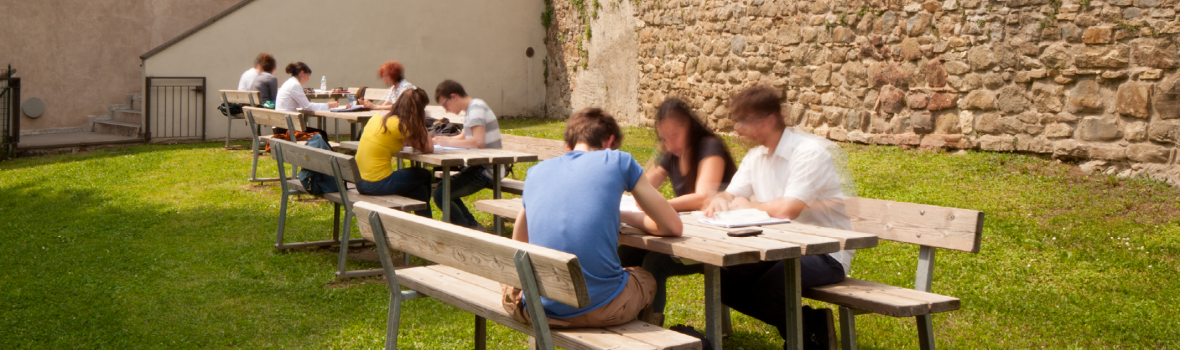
(323, 83)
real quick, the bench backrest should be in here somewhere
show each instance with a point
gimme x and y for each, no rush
(249, 98)
(270, 117)
(926, 225)
(317, 160)
(373, 94)
(559, 276)
(543, 148)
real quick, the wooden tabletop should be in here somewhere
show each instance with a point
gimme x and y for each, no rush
(711, 244)
(462, 157)
(351, 117)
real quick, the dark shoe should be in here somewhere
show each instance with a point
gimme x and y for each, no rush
(819, 330)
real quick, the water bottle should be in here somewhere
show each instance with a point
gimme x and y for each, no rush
(323, 83)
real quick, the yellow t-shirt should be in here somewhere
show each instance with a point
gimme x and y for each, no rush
(374, 156)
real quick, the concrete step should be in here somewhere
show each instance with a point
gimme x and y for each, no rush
(136, 101)
(116, 128)
(127, 116)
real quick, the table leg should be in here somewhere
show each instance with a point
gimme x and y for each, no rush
(336, 129)
(497, 220)
(713, 305)
(446, 184)
(794, 304)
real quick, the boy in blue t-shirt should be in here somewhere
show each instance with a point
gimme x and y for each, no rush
(586, 222)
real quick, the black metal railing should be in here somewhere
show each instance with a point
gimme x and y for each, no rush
(174, 108)
(9, 114)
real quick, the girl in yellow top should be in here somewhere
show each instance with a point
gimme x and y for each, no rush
(404, 125)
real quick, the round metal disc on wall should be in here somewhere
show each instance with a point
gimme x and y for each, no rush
(33, 107)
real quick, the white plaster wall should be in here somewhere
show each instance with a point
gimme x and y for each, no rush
(480, 44)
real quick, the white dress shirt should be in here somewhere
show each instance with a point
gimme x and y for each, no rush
(292, 97)
(247, 79)
(800, 168)
(397, 91)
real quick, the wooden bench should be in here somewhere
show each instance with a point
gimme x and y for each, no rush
(256, 118)
(543, 148)
(471, 267)
(344, 169)
(927, 226)
(244, 98)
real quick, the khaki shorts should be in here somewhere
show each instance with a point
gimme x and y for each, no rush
(636, 296)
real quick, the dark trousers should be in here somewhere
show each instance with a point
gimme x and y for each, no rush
(758, 289)
(661, 266)
(468, 181)
(412, 183)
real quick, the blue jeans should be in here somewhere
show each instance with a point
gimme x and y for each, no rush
(661, 266)
(413, 183)
(759, 291)
(468, 181)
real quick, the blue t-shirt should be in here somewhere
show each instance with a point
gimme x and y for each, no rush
(571, 204)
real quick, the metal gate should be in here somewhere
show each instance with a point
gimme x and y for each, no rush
(175, 108)
(9, 115)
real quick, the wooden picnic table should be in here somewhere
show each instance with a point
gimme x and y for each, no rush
(353, 118)
(445, 159)
(713, 247)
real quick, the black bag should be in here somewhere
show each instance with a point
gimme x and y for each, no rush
(230, 109)
(316, 183)
(445, 129)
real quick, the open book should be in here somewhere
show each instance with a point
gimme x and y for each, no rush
(739, 218)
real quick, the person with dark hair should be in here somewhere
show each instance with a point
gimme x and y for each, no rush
(480, 130)
(393, 74)
(291, 97)
(586, 223)
(383, 138)
(698, 164)
(266, 84)
(250, 74)
(790, 175)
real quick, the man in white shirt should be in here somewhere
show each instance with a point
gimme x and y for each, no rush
(789, 176)
(248, 76)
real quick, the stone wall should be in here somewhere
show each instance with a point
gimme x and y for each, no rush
(1076, 79)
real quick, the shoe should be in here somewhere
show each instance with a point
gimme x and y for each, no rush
(819, 330)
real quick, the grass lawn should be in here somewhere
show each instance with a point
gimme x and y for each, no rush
(169, 246)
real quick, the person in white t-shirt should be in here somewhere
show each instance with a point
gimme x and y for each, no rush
(393, 73)
(480, 130)
(790, 175)
(248, 76)
(291, 95)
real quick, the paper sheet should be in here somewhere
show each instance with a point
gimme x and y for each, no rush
(739, 218)
(628, 204)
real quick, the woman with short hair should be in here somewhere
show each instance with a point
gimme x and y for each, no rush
(393, 74)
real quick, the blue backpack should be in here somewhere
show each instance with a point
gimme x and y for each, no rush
(314, 182)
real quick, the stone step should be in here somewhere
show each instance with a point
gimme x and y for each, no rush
(127, 116)
(136, 101)
(116, 128)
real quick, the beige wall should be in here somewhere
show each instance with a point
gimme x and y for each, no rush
(480, 44)
(81, 56)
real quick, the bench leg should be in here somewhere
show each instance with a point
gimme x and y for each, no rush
(713, 305)
(925, 332)
(794, 303)
(847, 329)
(528, 280)
(481, 333)
(282, 215)
(228, 126)
(336, 221)
(726, 322)
(254, 165)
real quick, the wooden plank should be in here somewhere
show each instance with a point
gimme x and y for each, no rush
(861, 299)
(241, 96)
(438, 158)
(543, 148)
(847, 239)
(810, 245)
(513, 156)
(508, 208)
(700, 249)
(351, 117)
(270, 117)
(376, 94)
(769, 250)
(559, 276)
(656, 335)
(512, 186)
(928, 225)
(474, 299)
(310, 158)
(938, 303)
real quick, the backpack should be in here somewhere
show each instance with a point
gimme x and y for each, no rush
(230, 109)
(317, 183)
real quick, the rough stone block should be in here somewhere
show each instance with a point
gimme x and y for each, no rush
(1147, 153)
(1097, 35)
(947, 123)
(956, 67)
(1070, 149)
(940, 101)
(1155, 53)
(980, 100)
(997, 143)
(1135, 132)
(1108, 152)
(1027, 143)
(1059, 130)
(917, 100)
(988, 123)
(1086, 97)
(967, 122)
(1116, 56)
(1012, 100)
(1164, 132)
(922, 122)
(1166, 98)
(1099, 129)
(1133, 99)
(891, 100)
(981, 57)
(899, 124)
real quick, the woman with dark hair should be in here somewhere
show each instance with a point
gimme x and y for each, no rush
(266, 84)
(404, 125)
(698, 164)
(291, 96)
(393, 73)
